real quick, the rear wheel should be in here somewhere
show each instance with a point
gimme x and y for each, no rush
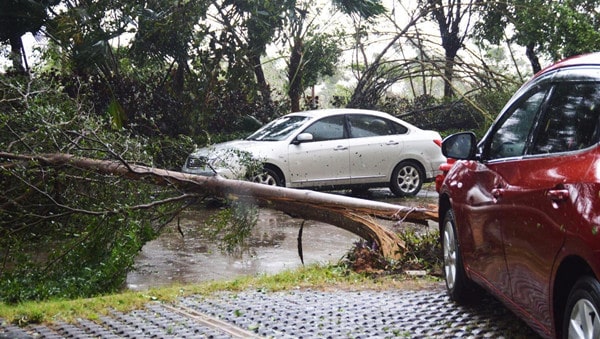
(582, 316)
(458, 285)
(268, 176)
(407, 179)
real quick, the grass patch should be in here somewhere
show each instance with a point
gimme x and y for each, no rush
(313, 276)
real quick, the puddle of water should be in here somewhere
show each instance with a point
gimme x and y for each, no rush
(192, 258)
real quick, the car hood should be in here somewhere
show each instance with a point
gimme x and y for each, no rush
(251, 146)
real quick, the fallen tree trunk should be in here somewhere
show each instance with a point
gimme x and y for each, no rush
(355, 215)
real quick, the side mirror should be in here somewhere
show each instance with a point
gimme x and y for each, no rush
(460, 146)
(303, 137)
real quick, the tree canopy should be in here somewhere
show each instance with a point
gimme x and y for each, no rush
(551, 29)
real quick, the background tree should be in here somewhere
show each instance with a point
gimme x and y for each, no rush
(546, 29)
(165, 34)
(311, 54)
(376, 74)
(249, 27)
(82, 32)
(365, 9)
(322, 56)
(18, 17)
(454, 22)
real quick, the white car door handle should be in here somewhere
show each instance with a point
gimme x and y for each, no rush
(392, 142)
(340, 148)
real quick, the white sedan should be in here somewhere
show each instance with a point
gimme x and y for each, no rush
(329, 149)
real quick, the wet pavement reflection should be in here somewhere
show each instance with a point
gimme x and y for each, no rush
(174, 258)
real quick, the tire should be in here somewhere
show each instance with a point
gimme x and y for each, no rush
(407, 179)
(268, 177)
(582, 313)
(458, 286)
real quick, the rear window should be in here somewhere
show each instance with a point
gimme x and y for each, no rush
(362, 126)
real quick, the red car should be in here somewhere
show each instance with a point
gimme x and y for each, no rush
(520, 209)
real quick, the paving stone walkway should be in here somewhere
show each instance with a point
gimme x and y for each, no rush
(297, 314)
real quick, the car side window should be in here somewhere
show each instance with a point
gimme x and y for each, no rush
(571, 120)
(362, 126)
(511, 136)
(329, 128)
(399, 129)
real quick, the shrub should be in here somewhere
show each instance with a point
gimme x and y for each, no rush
(65, 232)
(423, 252)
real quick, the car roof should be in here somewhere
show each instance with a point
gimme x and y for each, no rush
(332, 111)
(318, 113)
(578, 60)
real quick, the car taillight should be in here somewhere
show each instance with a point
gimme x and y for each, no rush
(445, 167)
(438, 142)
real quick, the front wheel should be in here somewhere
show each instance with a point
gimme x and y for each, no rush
(458, 285)
(268, 176)
(582, 317)
(407, 179)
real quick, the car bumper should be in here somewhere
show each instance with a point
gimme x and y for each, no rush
(209, 172)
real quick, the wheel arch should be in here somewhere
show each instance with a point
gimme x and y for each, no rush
(443, 208)
(570, 270)
(277, 170)
(414, 161)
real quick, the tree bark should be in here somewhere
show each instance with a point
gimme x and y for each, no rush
(533, 59)
(295, 75)
(355, 215)
(261, 80)
(16, 54)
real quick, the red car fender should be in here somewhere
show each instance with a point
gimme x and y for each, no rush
(445, 167)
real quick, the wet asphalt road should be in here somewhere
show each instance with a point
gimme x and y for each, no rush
(297, 314)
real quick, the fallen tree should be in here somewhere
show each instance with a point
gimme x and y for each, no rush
(358, 216)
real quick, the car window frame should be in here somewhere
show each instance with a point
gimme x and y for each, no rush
(579, 74)
(388, 125)
(523, 95)
(548, 113)
(319, 120)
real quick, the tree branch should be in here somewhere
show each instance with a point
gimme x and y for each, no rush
(352, 214)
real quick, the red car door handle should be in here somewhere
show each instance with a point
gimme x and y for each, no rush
(558, 194)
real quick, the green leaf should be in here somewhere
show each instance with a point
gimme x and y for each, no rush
(117, 114)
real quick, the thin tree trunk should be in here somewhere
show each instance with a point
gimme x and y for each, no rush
(448, 75)
(16, 53)
(261, 80)
(533, 59)
(295, 75)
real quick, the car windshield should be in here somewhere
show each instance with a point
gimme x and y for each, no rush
(278, 129)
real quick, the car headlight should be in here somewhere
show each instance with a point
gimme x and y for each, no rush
(193, 162)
